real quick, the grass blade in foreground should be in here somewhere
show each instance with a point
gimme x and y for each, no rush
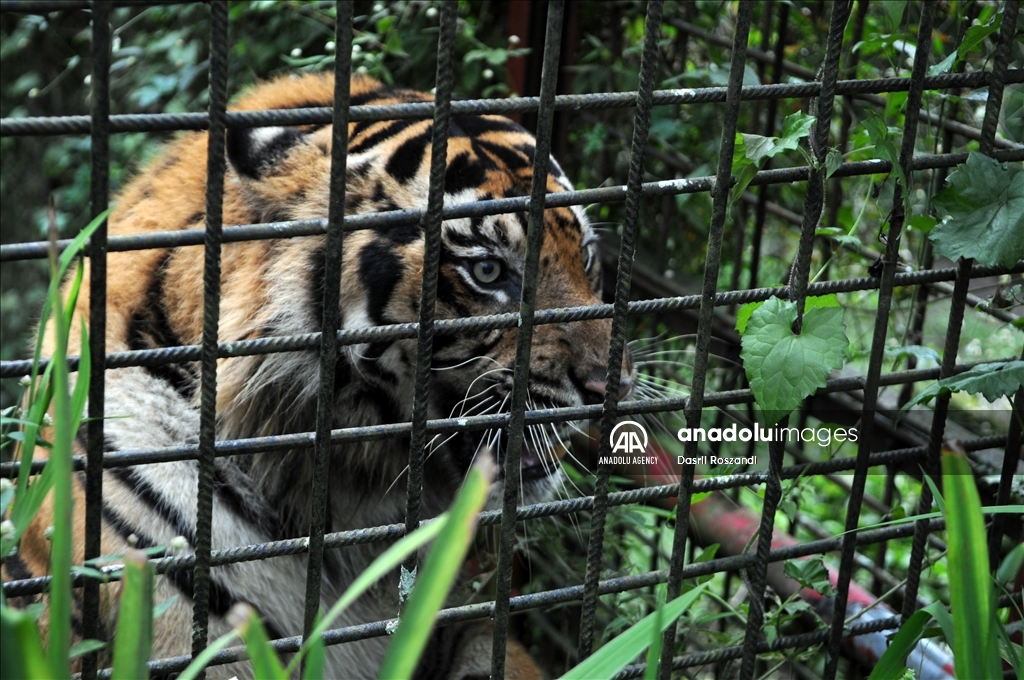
(614, 656)
(134, 637)
(439, 572)
(975, 645)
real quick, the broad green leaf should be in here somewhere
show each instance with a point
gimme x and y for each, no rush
(970, 589)
(134, 636)
(983, 206)
(894, 9)
(892, 664)
(922, 223)
(815, 301)
(614, 656)
(435, 581)
(795, 127)
(751, 150)
(993, 380)
(783, 368)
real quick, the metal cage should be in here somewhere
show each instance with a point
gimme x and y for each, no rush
(823, 87)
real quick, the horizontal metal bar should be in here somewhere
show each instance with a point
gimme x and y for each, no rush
(310, 341)
(563, 595)
(162, 122)
(805, 73)
(37, 250)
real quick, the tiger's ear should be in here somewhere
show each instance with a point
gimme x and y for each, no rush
(256, 152)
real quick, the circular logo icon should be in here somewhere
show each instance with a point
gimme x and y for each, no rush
(628, 437)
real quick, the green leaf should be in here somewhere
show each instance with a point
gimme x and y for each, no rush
(23, 655)
(1011, 565)
(885, 149)
(795, 127)
(86, 647)
(922, 223)
(993, 380)
(783, 368)
(315, 656)
(654, 650)
(265, 664)
(894, 9)
(917, 351)
(983, 206)
(810, 573)
(972, 38)
(614, 656)
(833, 160)
(970, 590)
(439, 573)
(892, 664)
(199, 663)
(388, 560)
(134, 636)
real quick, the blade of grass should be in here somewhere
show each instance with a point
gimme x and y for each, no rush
(60, 461)
(970, 589)
(23, 655)
(265, 664)
(654, 651)
(315, 657)
(388, 560)
(893, 662)
(439, 572)
(206, 656)
(134, 636)
(614, 656)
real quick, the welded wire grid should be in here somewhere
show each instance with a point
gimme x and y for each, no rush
(824, 88)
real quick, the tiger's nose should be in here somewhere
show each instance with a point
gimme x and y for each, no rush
(596, 388)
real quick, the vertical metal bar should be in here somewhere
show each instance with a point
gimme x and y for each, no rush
(999, 66)
(769, 127)
(1011, 458)
(695, 403)
(919, 305)
(798, 280)
(814, 200)
(99, 186)
(759, 569)
(623, 279)
(871, 386)
(215, 166)
(834, 194)
(524, 334)
(332, 311)
(431, 264)
(955, 323)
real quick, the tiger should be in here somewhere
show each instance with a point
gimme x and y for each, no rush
(275, 288)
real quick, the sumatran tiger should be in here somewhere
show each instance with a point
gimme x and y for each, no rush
(274, 288)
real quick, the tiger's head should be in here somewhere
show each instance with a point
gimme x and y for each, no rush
(283, 174)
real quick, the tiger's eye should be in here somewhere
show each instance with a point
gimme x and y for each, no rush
(487, 271)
